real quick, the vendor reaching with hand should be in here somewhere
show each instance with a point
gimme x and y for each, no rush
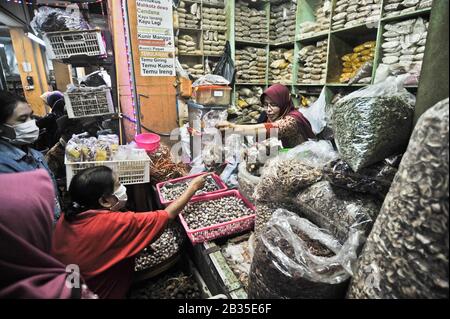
(280, 113)
(103, 241)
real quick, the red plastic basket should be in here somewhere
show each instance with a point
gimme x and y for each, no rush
(198, 236)
(222, 187)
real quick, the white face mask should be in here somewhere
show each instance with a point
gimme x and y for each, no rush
(121, 195)
(26, 133)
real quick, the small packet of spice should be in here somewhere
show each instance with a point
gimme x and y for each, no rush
(103, 151)
(73, 151)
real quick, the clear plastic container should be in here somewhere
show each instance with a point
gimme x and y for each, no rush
(213, 95)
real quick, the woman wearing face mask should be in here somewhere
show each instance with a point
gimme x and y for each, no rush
(55, 100)
(18, 130)
(102, 241)
(280, 113)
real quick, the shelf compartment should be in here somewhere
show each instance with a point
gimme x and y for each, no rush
(342, 43)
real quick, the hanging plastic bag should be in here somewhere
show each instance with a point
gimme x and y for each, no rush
(374, 123)
(214, 117)
(96, 79)
(225, 66)
(316, 114)
(296, 259)
(210, 79)
(313, 153)
(247, 182)
(47, 19)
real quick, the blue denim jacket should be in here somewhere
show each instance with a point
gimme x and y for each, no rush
(15, 160)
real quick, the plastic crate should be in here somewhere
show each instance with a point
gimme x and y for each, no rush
(222, 187)
(198, 236)
(129, 171)
(89, 103)
(65, 44)
(213, 95)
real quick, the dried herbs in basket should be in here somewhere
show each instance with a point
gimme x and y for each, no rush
(296, 259)
(407, 251)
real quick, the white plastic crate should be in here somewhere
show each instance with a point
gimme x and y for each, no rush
(129, 171)
(89, 103)
(65, 44)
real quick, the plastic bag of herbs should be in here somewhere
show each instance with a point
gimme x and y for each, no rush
(375, 179)
(296, 259)
(374, 123)
(337, 210)
(285, 175)
(407, 251)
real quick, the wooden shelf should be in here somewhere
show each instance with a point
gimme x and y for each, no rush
(189, 54)
(310, 84)
(345, 85)
(356, 29)
(313, 38)
(189, 29)
(257, 84)
(252, 42)
(214, 5)
(281, 44)
(414, 14)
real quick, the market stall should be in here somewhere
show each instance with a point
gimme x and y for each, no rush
(193, 103)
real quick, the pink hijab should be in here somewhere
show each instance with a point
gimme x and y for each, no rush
(26, 213)
(280, 94)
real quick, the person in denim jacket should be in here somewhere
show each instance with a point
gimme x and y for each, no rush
(18, 130)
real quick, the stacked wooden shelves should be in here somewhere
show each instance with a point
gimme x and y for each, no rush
(262, 27)
(209, 35)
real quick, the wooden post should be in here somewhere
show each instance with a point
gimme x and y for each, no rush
(29, 52)
(434, 77)
(63, 75)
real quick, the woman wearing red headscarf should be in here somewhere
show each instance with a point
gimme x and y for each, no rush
(280, 113)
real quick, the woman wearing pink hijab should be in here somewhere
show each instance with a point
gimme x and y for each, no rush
(27, 271)
(280, 113)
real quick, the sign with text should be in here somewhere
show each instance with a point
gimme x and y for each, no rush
(155, 37)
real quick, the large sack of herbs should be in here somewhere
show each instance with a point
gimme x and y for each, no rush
(373, 123)
(406, 254)
(296, 259)
(337, 210)
(287, 174)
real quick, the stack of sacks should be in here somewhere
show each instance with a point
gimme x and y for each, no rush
(282, 22)
(352, 62)
(248, 105)
(349, 13)
(399, 7)
(187, 45)
(213, 42)
(189, 17)
(251, 23)
(322, 23)
(251, 65)
(281, 66)
(404, 46)
(214, 29)
(195, 70)
(313, 63)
